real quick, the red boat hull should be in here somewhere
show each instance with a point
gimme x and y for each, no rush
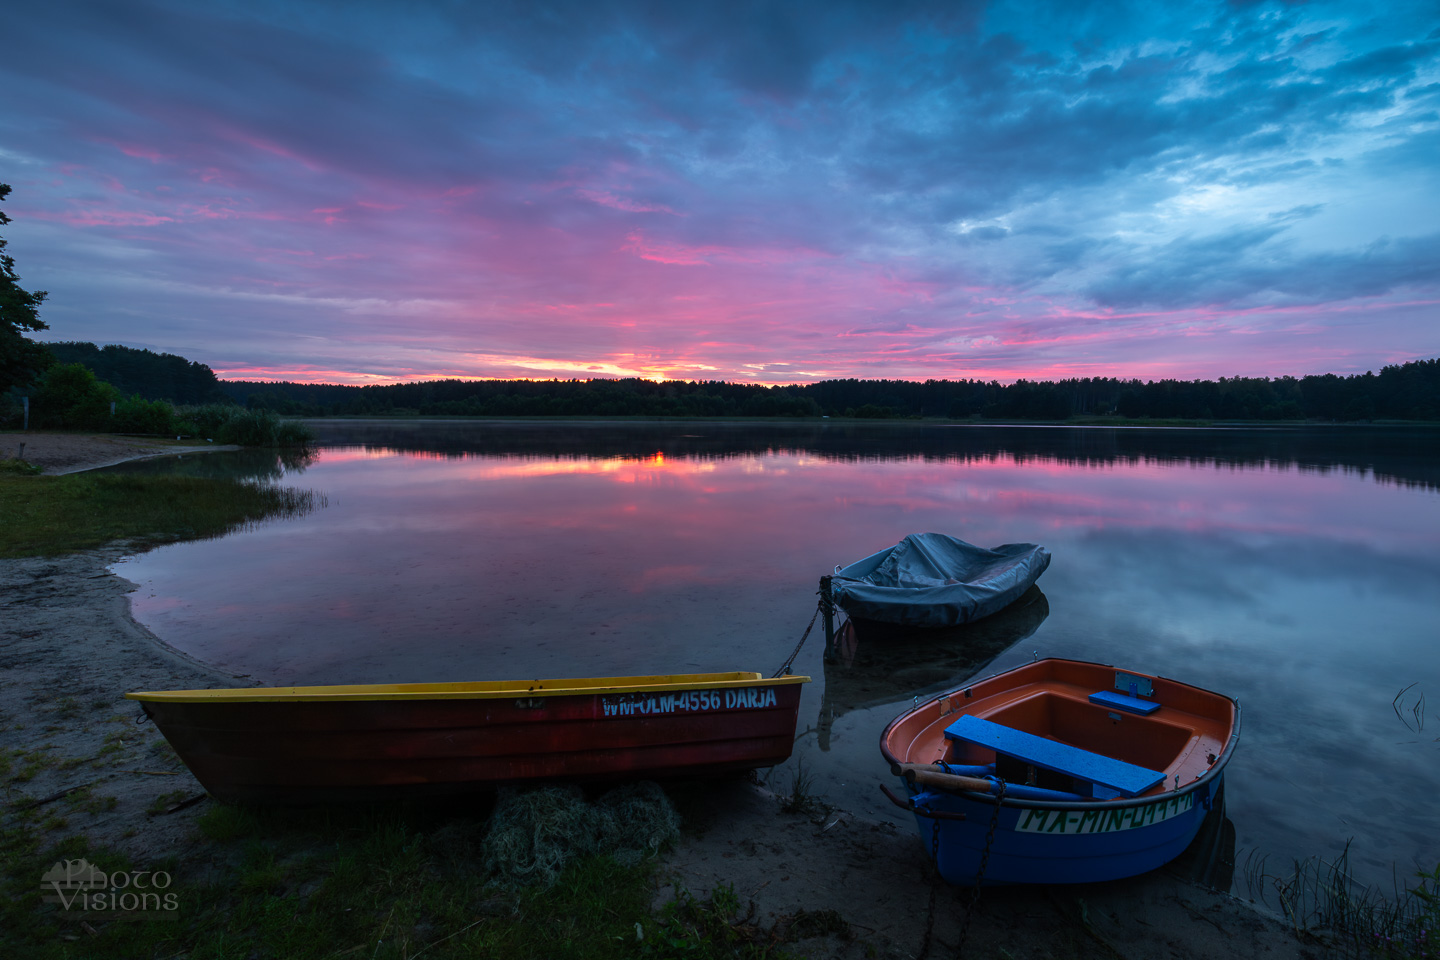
(310, 750)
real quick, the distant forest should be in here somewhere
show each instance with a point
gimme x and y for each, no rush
(1406, 392)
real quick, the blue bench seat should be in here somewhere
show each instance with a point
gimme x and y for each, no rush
(1109, 698)
(1127, 779)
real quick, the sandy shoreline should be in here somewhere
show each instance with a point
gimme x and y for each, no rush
(69, 651)
(61, 453)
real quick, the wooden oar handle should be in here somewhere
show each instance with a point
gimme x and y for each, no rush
(930, 777)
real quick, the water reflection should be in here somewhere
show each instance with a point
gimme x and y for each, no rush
(1294, 569)
(1210, 858)
(884, 663)
(1402, 455)
(264, 466)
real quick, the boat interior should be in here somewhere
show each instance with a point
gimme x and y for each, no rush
(1053, 724)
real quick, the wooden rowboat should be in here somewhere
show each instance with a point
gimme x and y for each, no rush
(315, 744)
(1106, 773)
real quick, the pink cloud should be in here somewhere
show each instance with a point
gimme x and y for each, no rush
(606, 199)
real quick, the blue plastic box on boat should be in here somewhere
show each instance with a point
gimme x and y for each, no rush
(1093, 789)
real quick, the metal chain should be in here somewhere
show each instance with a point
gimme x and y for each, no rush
(934, 885)
(984, 861)
(790, 661)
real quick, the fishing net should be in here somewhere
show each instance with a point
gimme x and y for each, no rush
(534, 834)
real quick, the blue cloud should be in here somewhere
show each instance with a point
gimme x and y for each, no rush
(1187, 155)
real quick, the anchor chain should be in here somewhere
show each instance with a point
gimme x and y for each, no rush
(934, 885)
(984, 862)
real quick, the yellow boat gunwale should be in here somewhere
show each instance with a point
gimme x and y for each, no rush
(469, 690)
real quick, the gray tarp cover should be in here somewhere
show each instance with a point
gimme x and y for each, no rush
(931, 580)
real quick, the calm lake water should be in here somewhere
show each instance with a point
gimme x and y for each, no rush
(1295, 569)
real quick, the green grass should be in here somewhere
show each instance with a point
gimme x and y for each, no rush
(383, 882)
(45, 516)
(1317, 894)
(18, 468)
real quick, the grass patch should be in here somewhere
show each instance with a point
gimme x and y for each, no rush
(224, 822)
(801, 798)
(30, 764)
(1319, 896)
(86, 800)
(45, 516)
(18, 468)
(381, 882)
(160, 803)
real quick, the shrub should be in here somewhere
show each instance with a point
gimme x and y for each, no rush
(262, 428)
(205, 420)
(70, 398)
(145, 416)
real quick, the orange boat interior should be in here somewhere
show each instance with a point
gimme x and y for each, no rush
(1184, 737)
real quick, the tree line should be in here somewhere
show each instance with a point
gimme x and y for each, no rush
(1408, 391)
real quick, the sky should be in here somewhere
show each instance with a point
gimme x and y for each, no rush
(370, 192)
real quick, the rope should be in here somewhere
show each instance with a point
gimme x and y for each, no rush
(790, 661)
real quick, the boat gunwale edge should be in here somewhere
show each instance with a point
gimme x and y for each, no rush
(387, 693)
(1216, 770)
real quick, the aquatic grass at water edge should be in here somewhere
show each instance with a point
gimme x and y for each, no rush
(1320, 897)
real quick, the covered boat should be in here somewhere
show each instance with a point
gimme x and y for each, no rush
(1061, 772)
(377, 741)
(933, 580)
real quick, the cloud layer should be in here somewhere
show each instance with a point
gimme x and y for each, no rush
(767, 192)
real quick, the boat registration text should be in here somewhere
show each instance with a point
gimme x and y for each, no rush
(1103, 821)
(690, 701)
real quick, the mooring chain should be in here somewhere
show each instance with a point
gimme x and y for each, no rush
(984, 861)
(790, 661)
(934, 885)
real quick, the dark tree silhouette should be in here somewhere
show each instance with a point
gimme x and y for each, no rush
(21, 359)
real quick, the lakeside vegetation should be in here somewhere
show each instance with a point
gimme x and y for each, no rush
(68, 396)
(46, 516)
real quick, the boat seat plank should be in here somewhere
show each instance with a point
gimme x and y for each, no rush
(1126, 778)
(1121, 701)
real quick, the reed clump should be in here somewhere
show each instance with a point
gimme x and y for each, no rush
(1320, 897)
(227, 423)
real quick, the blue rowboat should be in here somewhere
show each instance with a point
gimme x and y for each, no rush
(1061, 771)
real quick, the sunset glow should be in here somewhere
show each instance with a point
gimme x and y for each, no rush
(310, 192)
